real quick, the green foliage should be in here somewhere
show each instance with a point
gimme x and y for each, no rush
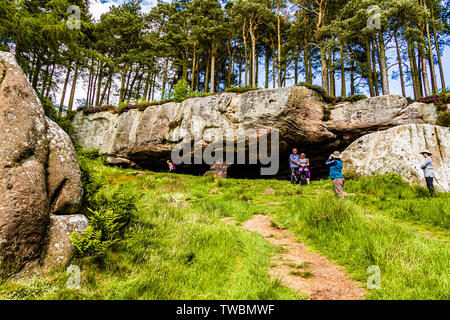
(353, 98)
(330, 99)
(241, 89)
(90, 179)
(175, 245)
(440, 101)
(108, 209)
(104, 230)
(443, 118)
(326, 114)
(325, 96)
(50, 111)
(180, 91)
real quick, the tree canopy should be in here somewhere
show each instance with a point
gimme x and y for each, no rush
(130, 55)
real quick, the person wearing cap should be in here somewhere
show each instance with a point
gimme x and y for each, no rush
(428, 171)
(336, 165)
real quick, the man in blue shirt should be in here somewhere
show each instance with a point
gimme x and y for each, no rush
(336, 165)
(294, 162)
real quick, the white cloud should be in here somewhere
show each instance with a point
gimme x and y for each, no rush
(99, 7)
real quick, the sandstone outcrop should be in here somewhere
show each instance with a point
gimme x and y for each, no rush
(148, 137)
(397, 150)
(39, 172)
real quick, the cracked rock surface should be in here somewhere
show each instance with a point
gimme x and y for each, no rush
(39, 172)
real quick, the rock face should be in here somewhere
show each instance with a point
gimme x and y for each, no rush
(39, 172)
(397, 150)
(148, 137)
(64, 176)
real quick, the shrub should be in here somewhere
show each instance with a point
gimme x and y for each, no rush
(51, 112)
(180, 91)
(91, 181)
(440, 101)
(98, 109)
(443, 118)
(111, 213)
(330, 99)
(356, 97)
(325, 96)
(240, 89)
(102, 233)
(326, 114)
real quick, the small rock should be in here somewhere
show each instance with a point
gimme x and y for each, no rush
(269, 191)
(59, 250)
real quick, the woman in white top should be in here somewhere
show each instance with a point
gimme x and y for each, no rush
(428, 171)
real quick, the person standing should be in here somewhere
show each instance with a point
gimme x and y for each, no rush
(294, 162)
(304, 164)
(428, 171)
(171, 166)
(336, 165)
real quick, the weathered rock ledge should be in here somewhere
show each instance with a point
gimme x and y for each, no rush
(147, 137)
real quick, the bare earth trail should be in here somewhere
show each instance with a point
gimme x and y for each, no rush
(302, 270)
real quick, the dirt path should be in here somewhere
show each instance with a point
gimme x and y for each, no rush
(302, 270)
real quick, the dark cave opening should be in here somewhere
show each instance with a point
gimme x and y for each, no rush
(317, 157)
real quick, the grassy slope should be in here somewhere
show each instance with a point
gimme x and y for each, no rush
(177, 248)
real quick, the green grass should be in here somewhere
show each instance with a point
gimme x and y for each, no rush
(177, 247)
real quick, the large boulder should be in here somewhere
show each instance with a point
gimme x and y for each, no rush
(397, 150)
(38, 171)
(148, 137)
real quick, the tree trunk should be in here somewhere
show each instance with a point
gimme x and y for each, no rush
(49, 84)
(88, 93)
(105, 89)
(206, 84)
(99, 86)
(63, 96)
(426, 83)
(332, 73)
(369, 69)
(343, 84)
(163, 88)
(244, 37)
(400, 66)
(267, 63)
(72, 91)
(213, 67)
(412, 63)
(374, 70)
(431, 61)
(36, 72)
(279, 42)
(352, 79)
(324, 69)
(383, 66)
(122, 84)
(438, 53)
(273, 65)
(253, 39)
